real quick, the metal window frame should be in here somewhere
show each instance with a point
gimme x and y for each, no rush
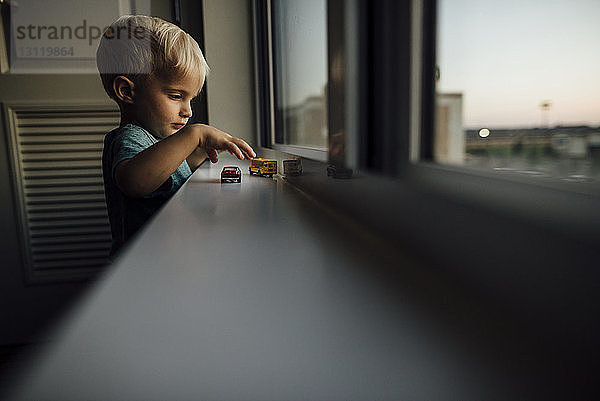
(390, 107)
(403, 151)
(189, 15)
(268, 119)
(422, 130)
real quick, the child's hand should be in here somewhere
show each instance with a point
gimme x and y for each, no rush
(214, 141)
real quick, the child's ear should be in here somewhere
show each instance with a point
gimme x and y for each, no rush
(124, 89)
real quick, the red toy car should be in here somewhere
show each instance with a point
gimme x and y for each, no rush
(231, 173)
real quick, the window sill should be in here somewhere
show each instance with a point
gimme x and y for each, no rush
(325, 288)
(313, 153)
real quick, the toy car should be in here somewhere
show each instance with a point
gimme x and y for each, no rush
(292, 167)
(263, 167)
(231, 174)
(338, 171)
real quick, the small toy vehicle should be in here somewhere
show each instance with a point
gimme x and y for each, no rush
(338, 171)
(231, 174)
(263, 167)
(292, 167)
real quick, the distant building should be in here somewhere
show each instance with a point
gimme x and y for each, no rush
(306, 123)
(575, 142)
(449, 143)
(564, 141)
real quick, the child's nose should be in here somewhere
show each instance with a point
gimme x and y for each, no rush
(186, 111)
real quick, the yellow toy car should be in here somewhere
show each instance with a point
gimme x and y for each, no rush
(263, 167)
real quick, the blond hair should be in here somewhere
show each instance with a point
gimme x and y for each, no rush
(139, 47)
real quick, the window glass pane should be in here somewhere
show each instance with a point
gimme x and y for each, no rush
(518, 87)
(300, 69)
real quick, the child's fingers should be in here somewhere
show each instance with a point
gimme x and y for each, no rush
(213, 155)
(234, 150)
(245, 148)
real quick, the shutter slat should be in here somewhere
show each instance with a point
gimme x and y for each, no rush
(82, 222)
(70, 255)
(71, 264)
(28, 132)
(67, 148)
(60, 138)
(60, 248)
(62, 121)
(73, 239)
(71, 173)
(73, 199)
(64, 189)
(59, 155)
(64, 181)
(51, 232)
(94, 163)
(81, 206)
(66, 215)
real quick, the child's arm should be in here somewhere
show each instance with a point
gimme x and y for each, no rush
(145, 172)
(196, 158)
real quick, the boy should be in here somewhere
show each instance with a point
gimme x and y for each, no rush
(153, 70)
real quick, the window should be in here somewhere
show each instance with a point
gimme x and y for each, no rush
(294, 66)
(517, 88)
(525, 249)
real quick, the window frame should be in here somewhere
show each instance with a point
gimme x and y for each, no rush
(400, 146)
(527, 250)
(421, 164)
(267, 116)
(189, 15)
(422, 138)
(419, 167)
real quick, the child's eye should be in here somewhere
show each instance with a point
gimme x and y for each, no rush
(175, 97)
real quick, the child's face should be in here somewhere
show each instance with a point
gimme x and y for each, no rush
(163, 107)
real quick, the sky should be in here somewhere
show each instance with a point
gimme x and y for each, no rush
(507, 57)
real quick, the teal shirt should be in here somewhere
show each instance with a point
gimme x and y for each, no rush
(127, 214)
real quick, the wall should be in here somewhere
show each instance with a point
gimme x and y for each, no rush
(230, 90)
(27, 310)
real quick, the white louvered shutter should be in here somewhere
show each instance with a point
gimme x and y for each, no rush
(56, 154)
